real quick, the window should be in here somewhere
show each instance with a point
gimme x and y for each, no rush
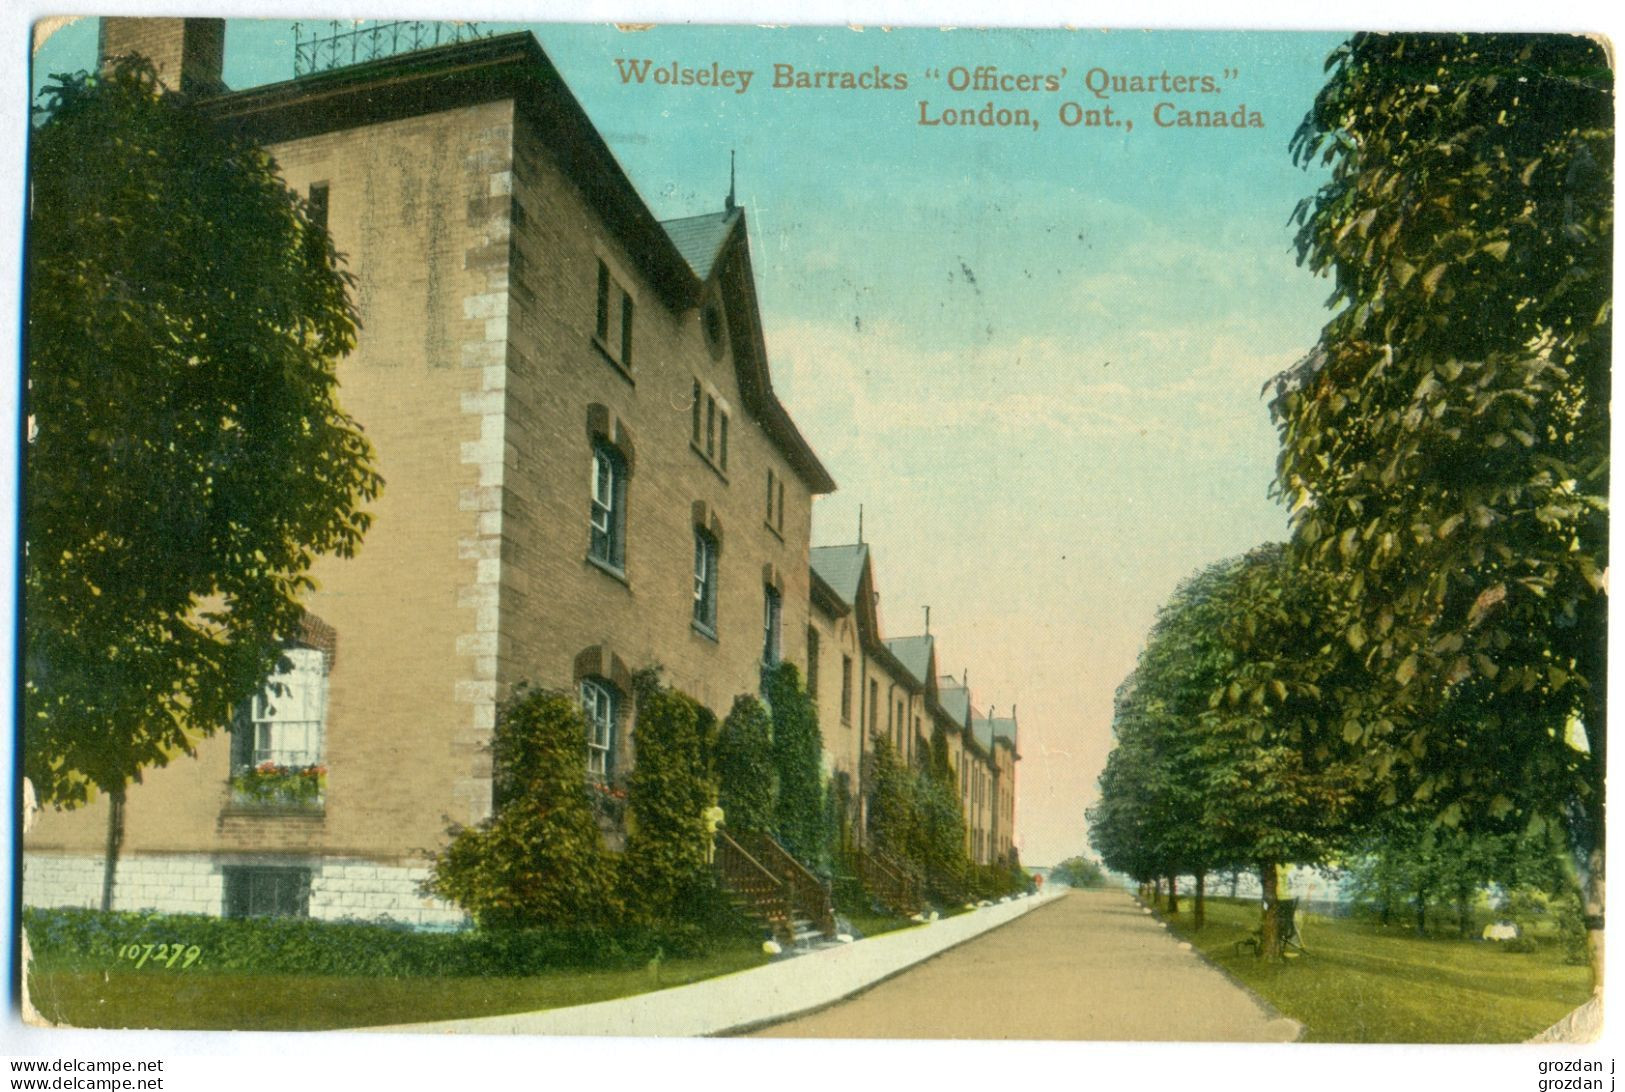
(286, 717)
(598, 704)
(608, 507)
(812, 663)
(267, 892)
(277, 741)
(781, 504)
(603, 302)
(772, 647)
(318, 204)
(874, 707)
(846, 689)
(612, 329)
(705, 581)
(770, 495)
(626, 330)
(708, 431)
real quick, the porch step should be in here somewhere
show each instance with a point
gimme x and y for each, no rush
(768, 884)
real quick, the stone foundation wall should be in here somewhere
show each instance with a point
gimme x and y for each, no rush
(340, 888)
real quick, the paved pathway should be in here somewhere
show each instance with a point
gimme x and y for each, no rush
(735, 1002)
(1088, 966)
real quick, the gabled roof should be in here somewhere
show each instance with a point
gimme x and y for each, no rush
(1004, 730)
(699, 239)
(991, 730)
(841, 567)
(954, 698)
(824, 597)
(981, 730)
(914, 653)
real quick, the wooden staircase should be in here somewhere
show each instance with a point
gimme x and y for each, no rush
(888, 880)
(770, 884)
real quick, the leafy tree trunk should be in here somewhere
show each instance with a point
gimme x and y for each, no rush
(115, 841)
(1156, 890)
(1421, 911)
(1593, 900)
(1200, 918)
(1173, 895)
(1591, 895)
(1235, 882)
(1269, 942)
(1464, 912)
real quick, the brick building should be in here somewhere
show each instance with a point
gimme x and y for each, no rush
(587, 473)
(870, 687)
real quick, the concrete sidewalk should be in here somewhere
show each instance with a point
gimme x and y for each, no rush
(1093, 967)
(737, 1002)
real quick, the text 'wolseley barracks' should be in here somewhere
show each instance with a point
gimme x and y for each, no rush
(588, 475)
(1104, 93)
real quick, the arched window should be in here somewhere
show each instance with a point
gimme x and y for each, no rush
(705, 581)
(772, 617)
(600, 703)
(608, 544)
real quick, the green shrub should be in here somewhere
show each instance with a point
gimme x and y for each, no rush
(798, 763)
(744, 766)
(892, 810)
(93, 939)
(664, 872)
(941, 837)
(540, 860)
(1561, 915)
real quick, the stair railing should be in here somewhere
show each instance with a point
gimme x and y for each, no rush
(896, 889)
(807, 892)
(747, 876)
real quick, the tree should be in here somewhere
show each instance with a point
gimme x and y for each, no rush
(539, 860)
(1282, 785)
(1226, 749)
(1078, 872)
(1123, 808)
(1144, 823)
(188, 458)
(1445, 448)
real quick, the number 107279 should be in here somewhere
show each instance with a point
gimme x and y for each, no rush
(170, 956)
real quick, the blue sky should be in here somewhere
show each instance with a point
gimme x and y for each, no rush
(1034, 357)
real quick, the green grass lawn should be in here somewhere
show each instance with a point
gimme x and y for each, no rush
(1361, 983)
(871, 924)
(119, 998)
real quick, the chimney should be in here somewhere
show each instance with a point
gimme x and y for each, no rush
(188, 54)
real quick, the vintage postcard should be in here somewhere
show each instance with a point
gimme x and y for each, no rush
(836, 532)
